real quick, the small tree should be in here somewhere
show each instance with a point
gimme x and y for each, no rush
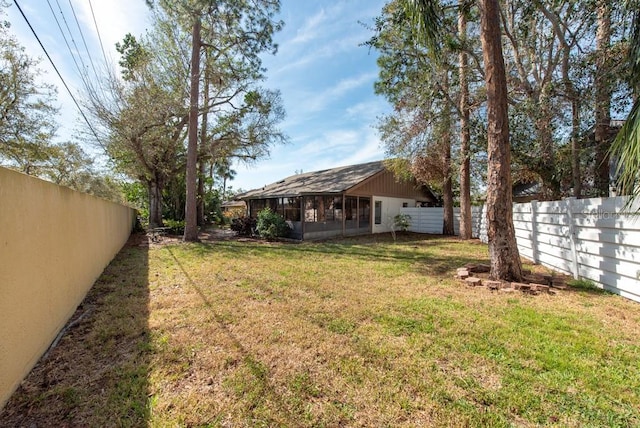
(402, 222)
(271, 225)
(27, 112)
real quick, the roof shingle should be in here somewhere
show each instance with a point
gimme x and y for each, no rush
(334, 180)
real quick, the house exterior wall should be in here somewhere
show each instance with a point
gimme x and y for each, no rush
(390, 208)
(55, 243)
(386, 184)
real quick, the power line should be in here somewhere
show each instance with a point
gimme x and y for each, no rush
(106, 61)
(83, 72)
(80, 69)
(93, 131)
(83, 40)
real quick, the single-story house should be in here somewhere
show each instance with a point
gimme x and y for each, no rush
(234, 208)
(348, 200)
(527, 191)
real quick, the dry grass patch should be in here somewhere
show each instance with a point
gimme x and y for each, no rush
(353, 332)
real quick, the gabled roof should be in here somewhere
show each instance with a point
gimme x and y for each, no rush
(327, 181)
(234, 203)
(526, 189)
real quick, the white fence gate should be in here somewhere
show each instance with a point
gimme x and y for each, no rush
(593, 239)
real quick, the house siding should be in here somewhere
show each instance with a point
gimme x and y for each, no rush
(385, 184)
(390, 208)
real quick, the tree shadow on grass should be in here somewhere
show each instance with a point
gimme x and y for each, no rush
(429, 254)
(97, 374)
(264, 389)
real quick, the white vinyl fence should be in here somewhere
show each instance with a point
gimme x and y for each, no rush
(430, 219)
(594, 239)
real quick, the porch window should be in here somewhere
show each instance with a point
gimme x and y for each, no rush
(322, 209)
(310, 213)
(351, 208)
(364, 212)
(272, 203)
(255, 206)
(378, 212)
(291, 209)
(338, 212)
(328, 208)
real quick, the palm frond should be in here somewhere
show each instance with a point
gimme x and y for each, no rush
(426, 17)
(626, 149)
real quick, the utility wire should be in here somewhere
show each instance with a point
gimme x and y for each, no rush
(106, 61)
(75, 61)
(93, 131)
(82, 70)
(83, 40)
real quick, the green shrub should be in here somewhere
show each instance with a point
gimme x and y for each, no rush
(243, 226)
(587, 285)
(176, 227)
(402, 222)
(271, 225)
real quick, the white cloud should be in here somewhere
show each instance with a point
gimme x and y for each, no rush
(316, 53)
(369, 151)
(341, 147)
(114, 20)
(319, 101)
(331, 31)
(329, 142)
(346, 146)
(368, 111)
(310, 29)
(329, 123)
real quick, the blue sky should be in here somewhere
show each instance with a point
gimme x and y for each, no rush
(114, 18)
(325, 76)
(326, 80)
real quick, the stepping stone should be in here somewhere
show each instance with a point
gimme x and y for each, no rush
(493, 285)
(475, 282)
(462, 274)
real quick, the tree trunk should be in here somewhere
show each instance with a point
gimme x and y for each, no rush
(211, 177)
(201, 196)
(447, 192)
(447, 186)
(575, 147)
(155, 188)
(503, 251)
(465, 136)
(203, 142)
(547, 162)
(603, 99)
(191, 219)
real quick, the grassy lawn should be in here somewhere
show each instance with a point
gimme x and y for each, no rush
(355, 332)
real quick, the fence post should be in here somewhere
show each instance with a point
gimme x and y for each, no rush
(572, 237)
(534, 231)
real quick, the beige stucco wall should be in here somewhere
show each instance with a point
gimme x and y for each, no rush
(54, 243)
(390, 208)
